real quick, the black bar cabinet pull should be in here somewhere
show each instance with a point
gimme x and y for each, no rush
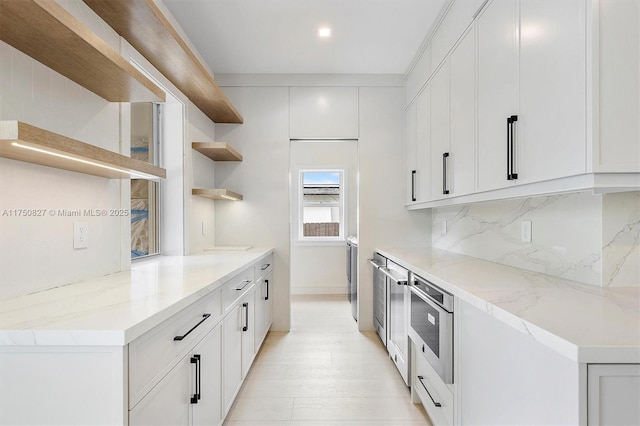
(204, 318)
(510, 173)
(514, 175)
(413, 185)
(195, 359)
(265, 266)
(267, 283)
(246, 316)
(245, 282)
(445, 155)
(437, 404)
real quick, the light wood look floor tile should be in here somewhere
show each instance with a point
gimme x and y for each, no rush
(324, 373)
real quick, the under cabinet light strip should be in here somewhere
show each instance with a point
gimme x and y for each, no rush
(67, 157)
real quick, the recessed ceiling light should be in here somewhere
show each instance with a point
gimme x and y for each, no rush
(324, 32)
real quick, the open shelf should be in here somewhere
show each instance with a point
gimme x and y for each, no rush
(23, 142)
(217, 194)
(217, 151)
(45, 31)
(148, 30)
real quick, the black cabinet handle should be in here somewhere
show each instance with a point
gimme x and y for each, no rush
(265, 266)
(246, 316)
(413, 185)
(204, 318)
(445, 155)
(511, 175)
(195, 359)
(437, 404)
(267, 283)
(245, 282)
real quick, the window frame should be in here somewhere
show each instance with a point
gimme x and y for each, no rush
(342, 206)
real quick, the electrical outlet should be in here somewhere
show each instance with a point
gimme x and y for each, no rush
(525, 231)
(80, 235)
(444, 227)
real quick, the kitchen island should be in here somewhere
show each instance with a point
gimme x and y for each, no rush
(119, 348)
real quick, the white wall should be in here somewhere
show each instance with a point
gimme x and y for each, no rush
(262, 218)
(320, 268)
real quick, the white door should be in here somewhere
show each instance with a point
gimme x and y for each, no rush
(411, 149)
(208, 409)
(423, 118)
(232, 355)
(168, 403)
(248, 331)
(497, 61)
(461, 179)
(613, 394)
(439, 130)
(551, 121)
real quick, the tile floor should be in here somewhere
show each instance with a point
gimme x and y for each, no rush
(323, 372)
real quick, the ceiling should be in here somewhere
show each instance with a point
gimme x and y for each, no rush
(281, 36)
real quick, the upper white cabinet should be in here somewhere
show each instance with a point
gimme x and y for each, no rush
(540, 97)
(531, 91)
(324, 113)
(497, 90)
(418, 75)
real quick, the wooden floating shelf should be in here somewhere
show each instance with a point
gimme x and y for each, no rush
(45, 31)
(217, 194)
(217, 151)
(145, 27)
(23, 142)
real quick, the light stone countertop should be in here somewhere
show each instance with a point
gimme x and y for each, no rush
(117, 308)
(585, 323)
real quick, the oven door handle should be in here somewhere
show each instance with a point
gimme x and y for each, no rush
(375, 264)
(435, 305)
(398, 281)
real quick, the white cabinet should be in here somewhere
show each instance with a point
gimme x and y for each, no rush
(263, 308)
(429, 389)
(455, 21)
(248, 331)
(190, 394)
(397, 311)
(423, 141)
(418, 76)
(440, 142)
(551, 126)
(324, 113)
(497, 89)
(411, 139)
(613, 394)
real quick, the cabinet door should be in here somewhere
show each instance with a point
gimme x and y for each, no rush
(423, 136)
(208, 410)
(248, 331)
(260, 307)
(497, 89)
(439, 129)
(613, 394)
(268, 310)
(411, 150)
(398, 343)
(461, 179)
(232, 355)
(551, 120)
(169, 402)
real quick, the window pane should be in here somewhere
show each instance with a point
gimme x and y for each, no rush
(321, 187)
(144, 193)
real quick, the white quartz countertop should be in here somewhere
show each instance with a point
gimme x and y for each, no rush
(584, 323)
(117, 308)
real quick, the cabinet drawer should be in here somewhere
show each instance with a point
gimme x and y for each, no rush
(263, 267)
(237, 287)
(432, 390)
(153, 354)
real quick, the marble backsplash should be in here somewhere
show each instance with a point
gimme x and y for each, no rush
(593, 239)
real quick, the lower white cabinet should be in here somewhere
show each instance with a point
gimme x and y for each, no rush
(191, 393)
(429, 389)
(263, 309)
(613, 394)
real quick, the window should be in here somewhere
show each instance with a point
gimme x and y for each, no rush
(145, 239)
(322, 205)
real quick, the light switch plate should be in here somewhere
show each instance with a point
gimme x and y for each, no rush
(80, 235)
(525, 231)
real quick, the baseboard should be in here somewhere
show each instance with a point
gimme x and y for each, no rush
(318, 290)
